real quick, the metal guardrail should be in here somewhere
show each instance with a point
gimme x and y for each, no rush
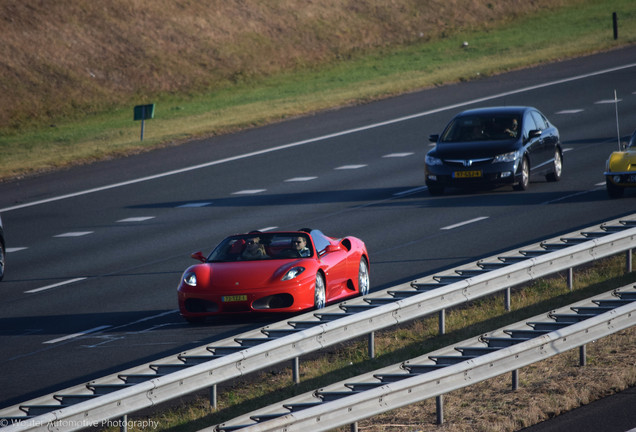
(445, 370)
(147, 385)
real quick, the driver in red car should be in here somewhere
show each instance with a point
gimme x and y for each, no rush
(299, 244)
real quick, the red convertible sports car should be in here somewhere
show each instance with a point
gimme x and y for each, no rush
(274, 272)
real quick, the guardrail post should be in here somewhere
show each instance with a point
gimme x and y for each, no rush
(507, 299)
(515, 379)
(442, 321)
(628, 258)
(354, 427)
(213, 397)
(571, 279)
(296, 370)
(439, 404)
(582, 355)
(372, 345)
(123, 423)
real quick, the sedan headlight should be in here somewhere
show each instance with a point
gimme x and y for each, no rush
(190, 278)
(430, 160)
(293, 272)
(506, 157)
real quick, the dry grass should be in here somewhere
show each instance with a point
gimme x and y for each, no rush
(546, 389)
(74, 58)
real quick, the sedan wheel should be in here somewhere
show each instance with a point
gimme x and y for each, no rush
(525, 176)
(363, 277)
(555, 175)
(319, 292)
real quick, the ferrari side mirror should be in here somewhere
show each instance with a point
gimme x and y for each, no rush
(198, 256)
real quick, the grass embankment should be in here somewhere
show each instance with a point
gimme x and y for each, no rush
(72, 71)
(546, 389)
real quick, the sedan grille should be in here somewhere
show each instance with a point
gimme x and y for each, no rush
(468, 162)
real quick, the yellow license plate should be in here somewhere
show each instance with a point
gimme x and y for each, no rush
(234, 298)
(466, 174)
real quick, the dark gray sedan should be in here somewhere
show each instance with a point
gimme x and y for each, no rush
(494, 147)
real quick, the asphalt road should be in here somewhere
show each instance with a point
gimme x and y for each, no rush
(96, 252)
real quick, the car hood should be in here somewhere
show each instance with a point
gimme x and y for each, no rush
(474, 149)
(622, 161)
(252, 273)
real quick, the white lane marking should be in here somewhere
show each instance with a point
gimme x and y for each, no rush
(608, 101)
(267, 228)
(70, 281)
(321, 138)
(465, 223)
(15, 249)
(570, 111)
(136, 219)
(249, 191)
(74, 234)
(74, 335)
(600, 184)
(194, 205)
(410, 191)
(301, 179)
(350, 167)
(567, 149)
(398, 155)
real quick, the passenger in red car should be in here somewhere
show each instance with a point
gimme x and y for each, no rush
(254, 249)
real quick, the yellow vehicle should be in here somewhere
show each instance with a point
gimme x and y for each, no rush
(620, 170)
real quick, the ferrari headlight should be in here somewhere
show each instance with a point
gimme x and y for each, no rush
(506, 157)
(293, 272)
(190, 278)
(431, 161)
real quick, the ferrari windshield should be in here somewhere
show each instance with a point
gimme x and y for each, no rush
(262, 246)
(482, 127)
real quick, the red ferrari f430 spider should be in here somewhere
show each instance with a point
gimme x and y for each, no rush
(274, 272)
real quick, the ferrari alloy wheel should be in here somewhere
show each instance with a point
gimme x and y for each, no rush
(363, 277)
(320, 296)
(525, 176)
(557, 168)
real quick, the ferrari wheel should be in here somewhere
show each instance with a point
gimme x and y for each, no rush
(320, 296)
(363, 277)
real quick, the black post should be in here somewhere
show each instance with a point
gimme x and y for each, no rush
(615, 23)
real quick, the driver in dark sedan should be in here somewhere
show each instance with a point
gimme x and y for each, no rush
(513, 130)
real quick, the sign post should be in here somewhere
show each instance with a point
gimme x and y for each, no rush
(143, 112)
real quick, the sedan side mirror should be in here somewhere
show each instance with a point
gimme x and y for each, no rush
(198, 256)
(534, 133)
(433, 138)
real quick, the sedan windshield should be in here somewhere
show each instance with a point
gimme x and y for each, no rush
(481, 128)
(262, 246)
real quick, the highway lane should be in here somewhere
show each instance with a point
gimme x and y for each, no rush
(90, 287)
